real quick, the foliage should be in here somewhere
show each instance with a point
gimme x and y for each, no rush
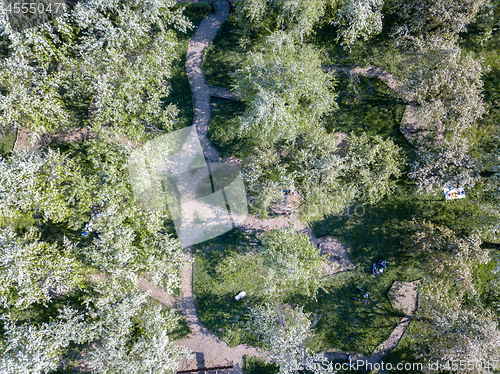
(488, 152)
(328, 177)
(32, 97)
(111, 57)
(447, 86)
(133, 334)
(128, 251)
(48, 183)
(122, 330)
(285, 89)
(446, 256)
(131, 242)
(125, 245)
(297, 17)
(359, 19)
(355, 18)
(34, 349)
(490, 20)
(292, 263)
(444, 163)
(285, 332)
(285, 264)
(33, 271)
(437, 18)
(452, 333)
(128, 88)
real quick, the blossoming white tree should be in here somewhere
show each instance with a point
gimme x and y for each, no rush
(438, 18)
(452, 324)
(122, 330)
(285, 332)
(285, 89)
(447, 86)
(33, 271)
(291, 263)
(446, 256)
(30, 348)
(133, 333)
(355, 18)
(44, 184)
(444, 163)
(359, 19)
(126, 244)
(453, 334)
(297, 17)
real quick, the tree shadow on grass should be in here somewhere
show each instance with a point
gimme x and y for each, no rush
(226, 317)
(256, 365)
(349, 324)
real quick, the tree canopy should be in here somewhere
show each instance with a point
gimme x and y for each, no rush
(286, 332)
(285, 89)
(328, 170)
(108, 60)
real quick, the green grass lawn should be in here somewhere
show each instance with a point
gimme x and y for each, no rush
(224, 55)
(214, 292)
(377, 51)
(223, 129)
(377, 112)
(344, 324)
(255, 365)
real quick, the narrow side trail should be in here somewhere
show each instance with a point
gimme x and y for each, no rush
(412, 126)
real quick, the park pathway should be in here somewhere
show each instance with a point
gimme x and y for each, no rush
(205, 33)
(208, 348)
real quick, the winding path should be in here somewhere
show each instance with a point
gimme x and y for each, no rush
(205, 344)
(205, 33)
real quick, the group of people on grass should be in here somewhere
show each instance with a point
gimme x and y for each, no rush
(379, 266)
(365, 296)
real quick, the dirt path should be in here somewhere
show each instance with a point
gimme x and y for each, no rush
(412, 127)
(205, 33)
(206, 345)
